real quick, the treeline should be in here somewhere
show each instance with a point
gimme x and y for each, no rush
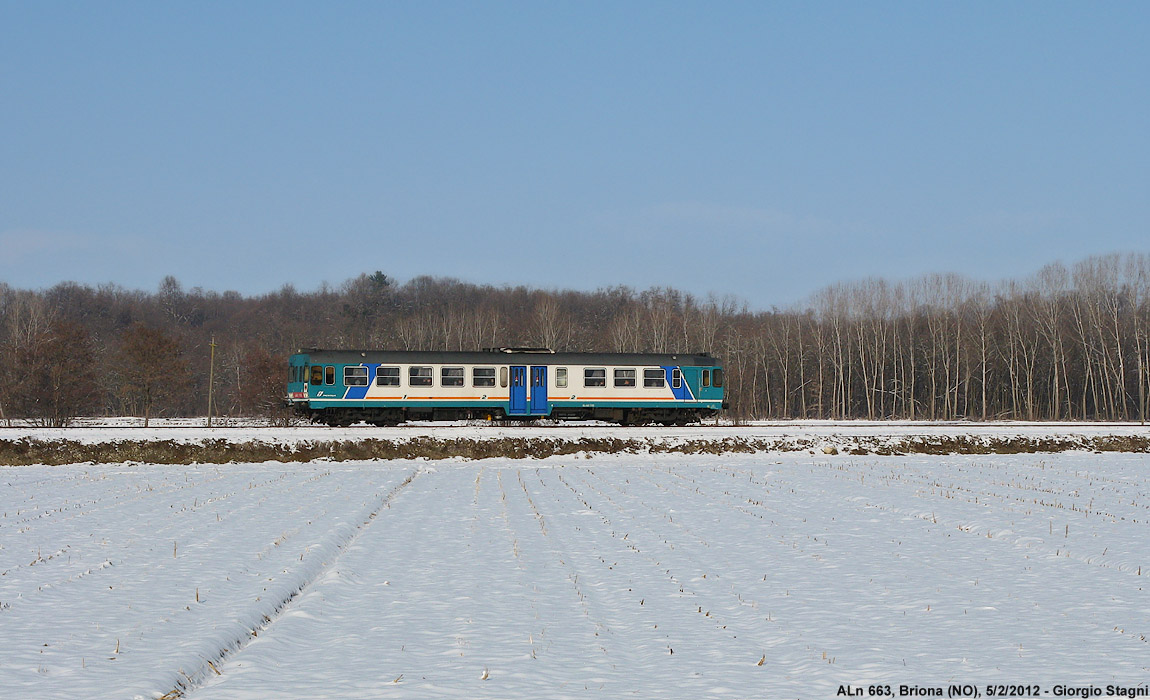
(1067, 343)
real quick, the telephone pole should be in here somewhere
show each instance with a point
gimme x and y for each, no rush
(211, 378)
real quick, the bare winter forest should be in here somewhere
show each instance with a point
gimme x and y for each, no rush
(1067, 343)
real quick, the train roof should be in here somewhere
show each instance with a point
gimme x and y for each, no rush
(508, 356)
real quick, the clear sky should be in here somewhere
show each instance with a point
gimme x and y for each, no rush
(756, 149)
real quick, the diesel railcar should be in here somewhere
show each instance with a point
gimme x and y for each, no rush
(342, 387)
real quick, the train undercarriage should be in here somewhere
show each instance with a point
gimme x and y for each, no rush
(343, 417)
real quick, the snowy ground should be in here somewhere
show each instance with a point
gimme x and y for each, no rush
(603, 576)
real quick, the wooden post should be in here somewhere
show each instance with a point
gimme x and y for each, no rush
(211, 378)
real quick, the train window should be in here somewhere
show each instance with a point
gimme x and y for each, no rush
(706, 377)
(355, 376)
(387, 376)
(503, 376)
(718, 377)
(595, 377)
(561, 377)
(419, 376)
(317, 375)
(483, 376)
(654, 378)
(329, 375)
(451, 376)
(676, 378)
(624, 377)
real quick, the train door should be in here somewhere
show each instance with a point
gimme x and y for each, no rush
(539, 390)
(518, 399)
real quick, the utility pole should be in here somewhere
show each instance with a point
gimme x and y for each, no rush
(211, 378)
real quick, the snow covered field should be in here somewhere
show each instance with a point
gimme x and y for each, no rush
(592, 575)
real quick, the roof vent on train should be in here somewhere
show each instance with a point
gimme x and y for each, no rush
(510, 350)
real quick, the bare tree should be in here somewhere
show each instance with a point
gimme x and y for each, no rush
(56, 382)
(152, 366)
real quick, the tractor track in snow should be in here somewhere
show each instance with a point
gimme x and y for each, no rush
(315, 566)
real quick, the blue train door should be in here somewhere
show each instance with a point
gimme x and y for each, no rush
(539, 390)
(518, 400)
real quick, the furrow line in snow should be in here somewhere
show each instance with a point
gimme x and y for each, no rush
(317, 562)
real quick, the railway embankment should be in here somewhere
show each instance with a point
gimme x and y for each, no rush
(61, 451)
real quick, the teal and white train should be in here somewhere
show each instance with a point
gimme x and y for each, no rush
(342, 387)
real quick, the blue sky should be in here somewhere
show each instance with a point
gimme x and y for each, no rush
(757, 149)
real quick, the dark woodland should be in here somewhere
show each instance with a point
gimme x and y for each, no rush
(1068, 343)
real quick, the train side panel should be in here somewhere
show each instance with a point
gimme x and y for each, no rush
(388, 392)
